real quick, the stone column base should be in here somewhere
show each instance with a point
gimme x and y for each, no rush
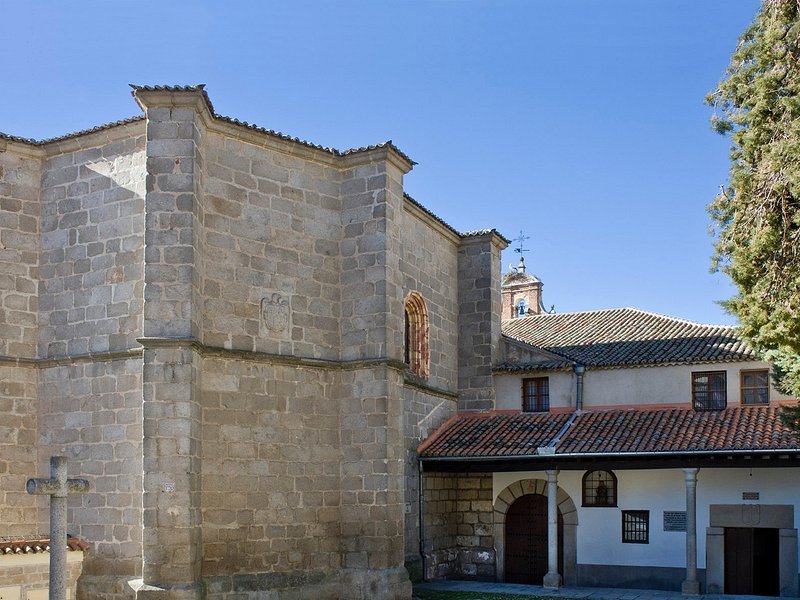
(375, 584)
(690, 588)
(552, 581)
(144, 591)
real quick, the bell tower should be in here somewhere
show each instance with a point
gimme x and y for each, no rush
(521, 293)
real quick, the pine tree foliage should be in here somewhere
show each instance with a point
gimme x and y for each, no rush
(757, 214)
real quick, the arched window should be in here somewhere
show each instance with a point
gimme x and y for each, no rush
(416, 352)
(599, 488)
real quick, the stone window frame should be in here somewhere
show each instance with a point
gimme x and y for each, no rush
(416, 349)
(743, 389)
(634, 524)
(542, 396)
(702, 392)
(612, 490)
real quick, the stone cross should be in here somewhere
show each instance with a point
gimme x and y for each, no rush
(57, 487)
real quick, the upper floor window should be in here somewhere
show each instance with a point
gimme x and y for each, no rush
(755, 386)
(416, 353)
(709, 390)
(599, 488)
(536, 394)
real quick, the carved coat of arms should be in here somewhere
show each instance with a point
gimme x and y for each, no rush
(275, 312)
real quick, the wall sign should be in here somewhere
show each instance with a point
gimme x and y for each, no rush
(674, 520)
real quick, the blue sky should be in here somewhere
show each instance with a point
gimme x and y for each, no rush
(581, 123)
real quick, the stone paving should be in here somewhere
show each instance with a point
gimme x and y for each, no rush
(571, 592)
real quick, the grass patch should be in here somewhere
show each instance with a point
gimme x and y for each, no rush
(456, 595)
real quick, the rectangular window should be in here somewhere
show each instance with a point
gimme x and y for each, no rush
(635, 526)
(536, 394)
(709, 390)
(755, 386)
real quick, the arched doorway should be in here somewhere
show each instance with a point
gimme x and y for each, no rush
(526, 540)
(566, 511)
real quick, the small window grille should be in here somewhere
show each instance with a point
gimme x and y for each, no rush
(635, 526)
(709, 390)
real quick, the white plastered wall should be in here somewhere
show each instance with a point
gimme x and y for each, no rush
(626, 387)
(600, 529)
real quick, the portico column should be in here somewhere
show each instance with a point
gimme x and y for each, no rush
(552, 580)
(691, 586)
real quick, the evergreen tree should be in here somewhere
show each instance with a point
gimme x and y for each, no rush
(757, 214)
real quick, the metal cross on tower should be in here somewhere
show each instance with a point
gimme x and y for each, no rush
(57, 487)
(521, 239)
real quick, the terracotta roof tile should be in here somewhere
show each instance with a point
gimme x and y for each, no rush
(36, 545)
(628, 337)
(494, 435)
(667, 431)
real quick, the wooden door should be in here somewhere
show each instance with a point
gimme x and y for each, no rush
(751, 561)
(526, 540)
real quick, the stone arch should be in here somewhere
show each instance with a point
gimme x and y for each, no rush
(569, 514)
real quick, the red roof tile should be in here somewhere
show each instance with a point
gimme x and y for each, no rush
(665, 431)
(494, 434)
(37, 545)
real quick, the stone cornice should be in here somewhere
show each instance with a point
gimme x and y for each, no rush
(480, 237)
(21, 147)
(414, 381)
(58, 361)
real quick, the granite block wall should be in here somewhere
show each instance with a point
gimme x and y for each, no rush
(20, 185)
(20, 182)
(210, 326)
(271, 234)
(459, 529)
(18, 460)
(424, 412)
(92, 246)
(91, 412)
(271, 469)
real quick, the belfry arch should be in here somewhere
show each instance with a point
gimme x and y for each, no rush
(567, 510)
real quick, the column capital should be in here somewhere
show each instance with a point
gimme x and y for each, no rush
(552, 475)
(690, 474)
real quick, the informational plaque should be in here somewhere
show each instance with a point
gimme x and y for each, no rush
(674, 520)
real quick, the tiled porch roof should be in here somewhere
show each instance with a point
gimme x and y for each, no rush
(613, 432)
(37, 545)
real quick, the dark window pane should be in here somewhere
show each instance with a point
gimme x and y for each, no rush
(536, 394)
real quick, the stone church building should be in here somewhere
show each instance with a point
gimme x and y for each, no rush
(239, 338)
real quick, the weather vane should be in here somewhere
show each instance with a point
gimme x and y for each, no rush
(521, 239)
(520, 268)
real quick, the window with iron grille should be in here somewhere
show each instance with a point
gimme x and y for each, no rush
(599, 488)
(536, 394)
(635, 526)
(709, 390)
(755, 386)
